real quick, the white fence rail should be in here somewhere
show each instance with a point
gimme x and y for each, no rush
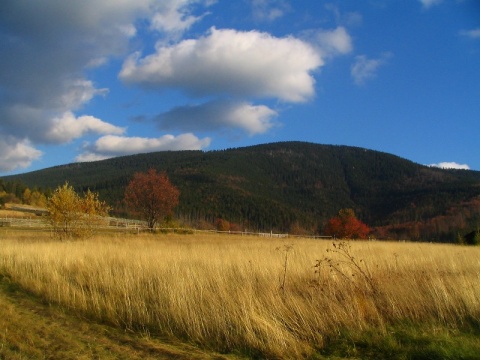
(109, 223)
(129, 225)
(16, 222)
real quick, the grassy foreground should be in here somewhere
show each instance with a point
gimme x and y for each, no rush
(249, 297)
(33, 329)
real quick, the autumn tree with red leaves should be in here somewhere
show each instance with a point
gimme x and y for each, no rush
(346, 226)
(152, 196)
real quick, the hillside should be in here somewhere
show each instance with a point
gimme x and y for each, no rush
(281, 186)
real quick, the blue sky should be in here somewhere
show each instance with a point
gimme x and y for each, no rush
(93, 79)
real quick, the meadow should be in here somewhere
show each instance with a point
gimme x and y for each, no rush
(260, 297)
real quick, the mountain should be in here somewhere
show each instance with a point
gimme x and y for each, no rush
(291, 185)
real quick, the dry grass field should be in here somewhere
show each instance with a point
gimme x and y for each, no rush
(8, 214)
(259, 297)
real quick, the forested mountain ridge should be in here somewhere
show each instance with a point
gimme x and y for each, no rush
(281, 186)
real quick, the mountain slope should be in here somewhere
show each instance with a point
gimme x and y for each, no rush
(276, 186)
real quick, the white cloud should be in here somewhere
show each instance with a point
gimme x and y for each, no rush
(451, 165)
(90, 156)
(253, 119)
(173, 16)
(473, 34)
(110, 145)
(16, 153)
(269, 10)
(333, 42)
(47, 46)
(219, 115)
(52, 127)
(77, 93)
(364, 68)
(249, 64)
(68, 127)
(429, 3)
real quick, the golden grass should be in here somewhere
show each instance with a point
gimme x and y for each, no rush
(14, 214)
(226, 293)
(32, 329)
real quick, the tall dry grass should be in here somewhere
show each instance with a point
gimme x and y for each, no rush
(267, 297)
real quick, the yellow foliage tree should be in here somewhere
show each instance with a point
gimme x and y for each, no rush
(3, 195)
(92, 210)
(38, 199)
(73, 216)
(27, 194)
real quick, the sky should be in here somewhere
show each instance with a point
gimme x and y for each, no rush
(94, 79)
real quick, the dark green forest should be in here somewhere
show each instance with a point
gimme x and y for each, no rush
(291, 187)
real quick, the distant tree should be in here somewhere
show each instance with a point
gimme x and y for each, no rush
(222, 225)
(476, 238)
(3, 195)
(27, 194)
(346, 226)
(63, 211)
(472, 238)
(297, 229)
(92, 212)
(73, 216)
(38, 199)
(152, 196)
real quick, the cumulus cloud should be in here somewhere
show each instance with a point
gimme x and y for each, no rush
(111, 145)
(248, 64)
(16, 153)
(68, 127)
(333, 42)
(48, 45)
(451, 165)
(218, 115)
(364, 68)
(174, 16)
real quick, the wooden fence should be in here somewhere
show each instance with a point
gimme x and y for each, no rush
(137, 226)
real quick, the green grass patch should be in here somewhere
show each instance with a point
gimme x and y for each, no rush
(407, 342)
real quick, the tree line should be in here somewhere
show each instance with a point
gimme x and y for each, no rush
(18, 193)
(289, 187)
(152, 197)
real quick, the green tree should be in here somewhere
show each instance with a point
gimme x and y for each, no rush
(152, 196)
(473, 238)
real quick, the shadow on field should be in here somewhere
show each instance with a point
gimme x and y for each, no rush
(32, 329)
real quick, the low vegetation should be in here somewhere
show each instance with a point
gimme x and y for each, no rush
(71, 215)
(261, 297)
